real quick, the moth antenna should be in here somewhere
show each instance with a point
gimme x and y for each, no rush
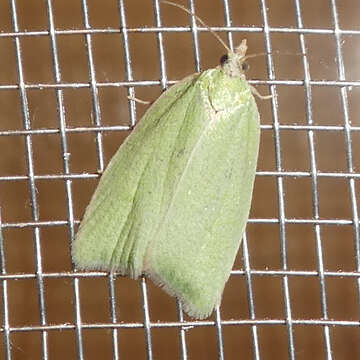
(278, 52)
(200, 21)
(254, 55)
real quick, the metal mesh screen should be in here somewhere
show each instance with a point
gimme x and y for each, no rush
(67, 68)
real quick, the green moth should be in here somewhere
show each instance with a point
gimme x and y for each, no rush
(174, 200)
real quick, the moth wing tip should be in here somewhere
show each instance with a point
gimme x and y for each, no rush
(189, 308)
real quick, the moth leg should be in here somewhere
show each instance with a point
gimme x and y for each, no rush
(144, 102)
(256, 93)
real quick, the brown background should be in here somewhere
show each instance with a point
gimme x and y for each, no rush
(263, 237)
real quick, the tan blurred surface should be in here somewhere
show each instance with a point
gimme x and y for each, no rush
(263, 239)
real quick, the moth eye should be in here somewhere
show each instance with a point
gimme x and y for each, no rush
(224, 59)
(245, 66)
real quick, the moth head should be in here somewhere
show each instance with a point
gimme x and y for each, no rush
(234, 63)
